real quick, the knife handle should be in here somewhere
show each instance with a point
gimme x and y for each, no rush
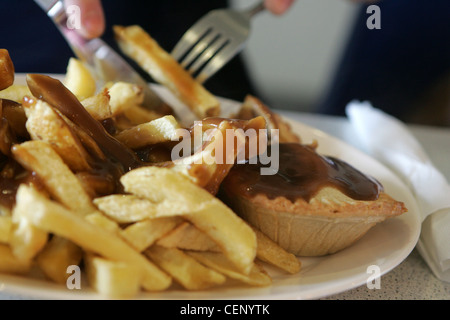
(105, 63)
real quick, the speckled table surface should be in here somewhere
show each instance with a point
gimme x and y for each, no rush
(412, 279)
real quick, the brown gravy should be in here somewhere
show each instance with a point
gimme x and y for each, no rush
(302, 173)
(56, 94)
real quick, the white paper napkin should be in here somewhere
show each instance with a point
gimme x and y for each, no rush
(389, 140)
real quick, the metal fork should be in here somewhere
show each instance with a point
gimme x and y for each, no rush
(214, 40)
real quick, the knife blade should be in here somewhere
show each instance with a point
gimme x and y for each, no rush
(104, 62)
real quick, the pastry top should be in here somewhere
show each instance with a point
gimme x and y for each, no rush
(328, 203)
(307, 183)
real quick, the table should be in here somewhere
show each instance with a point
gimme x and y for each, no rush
(412, 279)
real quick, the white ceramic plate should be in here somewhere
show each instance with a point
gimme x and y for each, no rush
(386, 245)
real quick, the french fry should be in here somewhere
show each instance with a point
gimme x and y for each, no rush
(253, 107)
(127, 208)
(229, 232)
(143, 234)
(114, 279)
(124, 96)
(9, 263)
(57, 255)
(45, 124)
(79, 80)
(235, 238)
(162, 185)
(210, 165)
(217, 261)
(54, 218)
(6, 69)
(103, 222)
(184, 269)
(16, 92)
(95, 183)
(139, 46)
(26, 240)
(137, 115)
(156, 131)
(63, 185)
(270, 252)
(5, 228)
(98, 105)
(187, 237)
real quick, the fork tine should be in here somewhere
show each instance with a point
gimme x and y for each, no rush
(186, 42)
(198, 48)
(209, 53)
(220, 59)
(189, 39)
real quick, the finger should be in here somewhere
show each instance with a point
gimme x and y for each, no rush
(92, 17)
(278, 7)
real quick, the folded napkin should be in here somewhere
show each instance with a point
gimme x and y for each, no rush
(389, 140)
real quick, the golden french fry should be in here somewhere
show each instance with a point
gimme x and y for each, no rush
(126, 208)
(156, 131)
(54, 218)
(253, 107)
(95, 183)
(103, 222)
(124, 96)
(137, 115)
(5, 228)
(143, 234)
(229, 232)
(138, 45)
(235, 238)
(184, 269)
(219, 262)
(160, 185)
(270, 252)
(45, 124)
(62, 184)
(187, 237)
(16, 92)
(79, 79)
(98, 105)
(6, 69)
(226, 143)
(9, 263)
(114, 279)
(57, 255)
(26, 240)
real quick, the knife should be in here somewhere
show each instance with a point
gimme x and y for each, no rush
(105, 63)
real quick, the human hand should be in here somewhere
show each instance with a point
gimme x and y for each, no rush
(278, 7)
(92, 17)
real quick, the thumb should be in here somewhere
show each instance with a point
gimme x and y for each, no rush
(91, 15)
(278, 7)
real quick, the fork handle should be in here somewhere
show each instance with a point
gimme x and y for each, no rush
(256, 9)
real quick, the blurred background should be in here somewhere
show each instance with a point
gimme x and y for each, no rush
(321, 55)
(317, 57)
(292, 58)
